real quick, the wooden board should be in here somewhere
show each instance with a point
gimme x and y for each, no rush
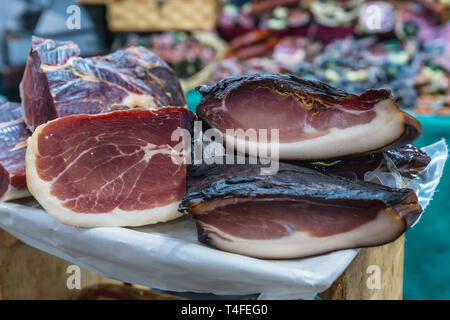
(108, 291)
(353, 283)
(27, 273)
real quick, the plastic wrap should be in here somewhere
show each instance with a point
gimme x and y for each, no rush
(168, 256)
(425, 183)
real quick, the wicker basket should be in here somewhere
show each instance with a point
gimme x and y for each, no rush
(161, 15)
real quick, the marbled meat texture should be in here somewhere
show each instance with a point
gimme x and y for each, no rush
(13, 136)
(57, 82)
(116, 169)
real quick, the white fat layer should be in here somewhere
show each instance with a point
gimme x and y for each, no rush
(384, 228)
(41, 190)
(20, 145)
(387, 126)
(140, 100)
(56, 67)
(13, 194)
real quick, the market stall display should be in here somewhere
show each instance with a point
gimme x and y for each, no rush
(168, 256)
(305, 125)
(192, 56)
(403, 48)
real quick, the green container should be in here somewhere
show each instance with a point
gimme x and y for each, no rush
(427, 249)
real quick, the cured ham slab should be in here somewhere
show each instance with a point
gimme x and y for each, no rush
(298, 212)
(314, 121)
(13, 136)
(116, 169)
(57, 82)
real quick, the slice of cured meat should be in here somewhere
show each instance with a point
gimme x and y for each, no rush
(296, 213)
(314, 121)
(13, 136)
(57, 82)
(115, 169)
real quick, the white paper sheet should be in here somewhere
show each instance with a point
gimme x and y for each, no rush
(168, 256)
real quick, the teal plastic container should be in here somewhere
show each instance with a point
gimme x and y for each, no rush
(427, 249)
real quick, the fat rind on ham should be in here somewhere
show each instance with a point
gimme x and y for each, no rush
(115, 169)
(13, 136)
(296, 213)
(315, 121)
(57, 82)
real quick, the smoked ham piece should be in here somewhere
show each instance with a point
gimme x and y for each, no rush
(298, 212)
(13, 144)
(115, 169)
(407, 160)
(314, 121)
(57, 82)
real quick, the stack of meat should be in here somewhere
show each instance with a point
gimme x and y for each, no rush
(316, 203)
(102, 153)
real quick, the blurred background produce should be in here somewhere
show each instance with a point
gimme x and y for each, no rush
(354, 45)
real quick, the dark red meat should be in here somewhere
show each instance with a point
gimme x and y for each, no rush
(57, 82)
(13, 135)
(314, 121)
(296, 212)
(119, 168)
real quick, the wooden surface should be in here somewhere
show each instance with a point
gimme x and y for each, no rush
(27, 273)
(352, 284)
(109, 291)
